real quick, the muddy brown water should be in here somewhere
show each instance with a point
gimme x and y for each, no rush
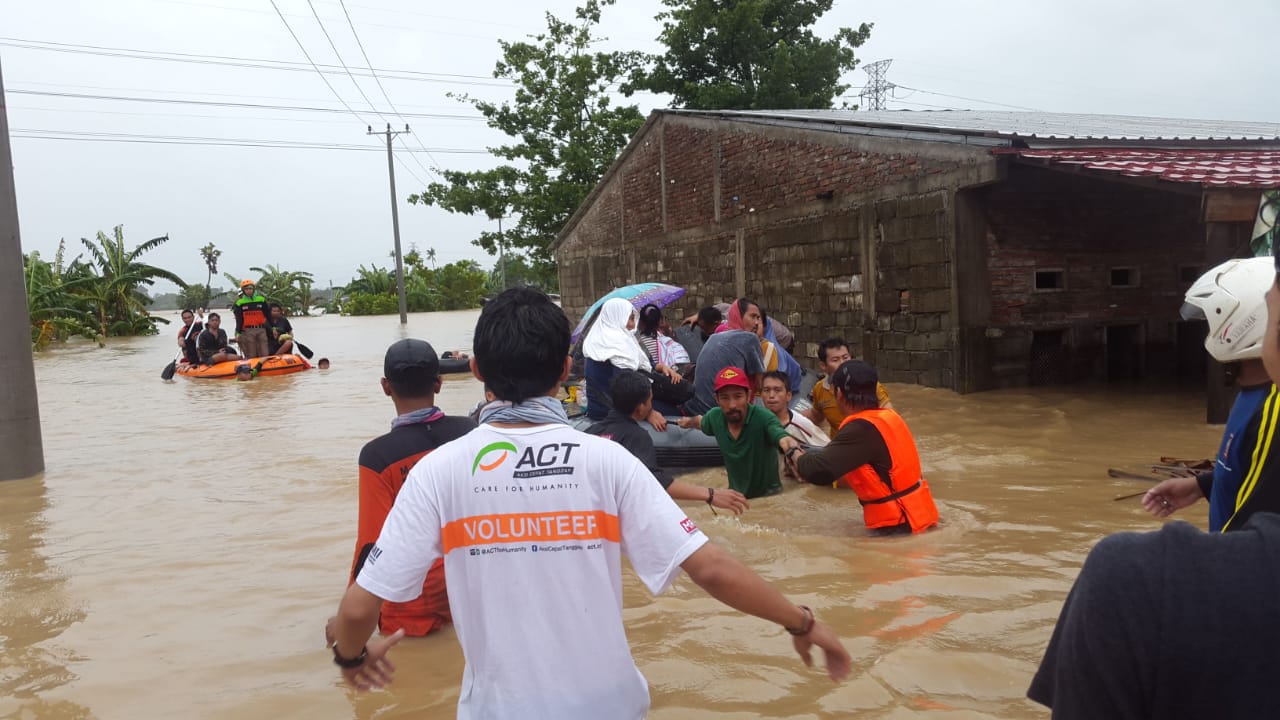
(180, 554)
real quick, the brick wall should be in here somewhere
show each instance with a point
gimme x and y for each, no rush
(1085, 227)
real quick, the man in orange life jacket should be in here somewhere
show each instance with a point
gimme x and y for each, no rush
(252, 318)
(873, 452)
(411, 378)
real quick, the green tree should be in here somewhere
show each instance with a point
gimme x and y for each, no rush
(117, 293)
(210, 254)
(520, 273)
(565, 131)
(749, 55)
(54, 309)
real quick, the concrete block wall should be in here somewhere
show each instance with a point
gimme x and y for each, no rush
(914, 334)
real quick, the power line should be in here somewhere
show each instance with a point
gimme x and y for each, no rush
(243, 62)
(313, 64)
(214, 103)
(95, 111)
(969, 99)
(198, 92)
(43, 134)
(385, 96)
(341, 62)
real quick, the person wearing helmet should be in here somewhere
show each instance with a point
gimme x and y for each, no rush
(252, 318)
(1231, 298)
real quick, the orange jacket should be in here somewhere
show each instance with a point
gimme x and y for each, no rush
(906, 498)
(430, 610)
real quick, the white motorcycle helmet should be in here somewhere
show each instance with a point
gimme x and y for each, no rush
(1231, 297)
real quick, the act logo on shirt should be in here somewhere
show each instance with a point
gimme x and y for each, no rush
(502, 445)
(688, 526)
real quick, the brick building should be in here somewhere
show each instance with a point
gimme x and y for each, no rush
(963, 250)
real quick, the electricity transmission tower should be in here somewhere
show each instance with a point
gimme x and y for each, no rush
(873, 94)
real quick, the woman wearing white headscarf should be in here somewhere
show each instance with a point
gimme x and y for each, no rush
(610, 346)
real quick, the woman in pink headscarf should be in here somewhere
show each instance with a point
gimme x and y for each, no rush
(745, 315)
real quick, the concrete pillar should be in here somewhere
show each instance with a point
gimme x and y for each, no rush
(21, 448)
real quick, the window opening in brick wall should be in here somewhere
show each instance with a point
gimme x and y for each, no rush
(904, 301)
(1051, 279)
(1125, 277)
(1049, 363)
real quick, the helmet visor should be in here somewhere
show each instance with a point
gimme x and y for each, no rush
(1192, 312)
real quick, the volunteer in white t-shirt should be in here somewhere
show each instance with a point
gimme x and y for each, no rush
(532, 519)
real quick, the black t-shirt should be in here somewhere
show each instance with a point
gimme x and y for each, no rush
(1171, 624)
(209, 344)
(628, 433)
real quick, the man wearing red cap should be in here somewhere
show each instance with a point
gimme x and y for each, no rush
(749, 435)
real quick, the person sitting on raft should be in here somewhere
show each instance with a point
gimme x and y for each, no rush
(279, 332)
(776, 395)
(632, 396)
(832, 353)
(187, 336)
(656, 339)
(212, 343)
(609, 347)
(874, 453)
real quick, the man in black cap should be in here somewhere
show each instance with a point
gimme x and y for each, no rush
(873, 452)
(411, 378)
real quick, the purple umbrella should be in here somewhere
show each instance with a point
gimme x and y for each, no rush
(639, 295)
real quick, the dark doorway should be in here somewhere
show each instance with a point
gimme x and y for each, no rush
(1124, 353)
(1050, 355)
(1190, 353)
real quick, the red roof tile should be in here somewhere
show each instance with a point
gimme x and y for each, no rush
(1208, 168)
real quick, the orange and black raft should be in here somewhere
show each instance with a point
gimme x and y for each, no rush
(905, 498)
(271, 365)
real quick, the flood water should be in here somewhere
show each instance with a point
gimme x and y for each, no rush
(182, 551)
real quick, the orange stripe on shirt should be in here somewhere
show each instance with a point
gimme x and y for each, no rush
(527, 527)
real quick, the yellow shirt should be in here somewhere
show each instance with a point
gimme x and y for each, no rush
(823, 397)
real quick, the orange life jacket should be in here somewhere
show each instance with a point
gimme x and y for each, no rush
(254, 310)
(906, 498)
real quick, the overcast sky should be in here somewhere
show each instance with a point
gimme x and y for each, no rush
(328, 211)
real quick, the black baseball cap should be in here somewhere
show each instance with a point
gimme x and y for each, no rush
(408, 354)
(855, 376)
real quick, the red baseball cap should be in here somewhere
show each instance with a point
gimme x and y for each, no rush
(732, 377)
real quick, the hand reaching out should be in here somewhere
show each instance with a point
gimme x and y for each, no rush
(1171, 495)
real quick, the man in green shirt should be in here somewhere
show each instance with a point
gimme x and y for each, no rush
(749, 436)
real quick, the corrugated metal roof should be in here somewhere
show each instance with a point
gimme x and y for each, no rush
(1207, 168)
(1024, 125)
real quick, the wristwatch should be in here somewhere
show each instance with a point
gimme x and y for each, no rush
(349, 663)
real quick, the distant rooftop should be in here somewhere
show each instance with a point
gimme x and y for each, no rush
(1005, 128)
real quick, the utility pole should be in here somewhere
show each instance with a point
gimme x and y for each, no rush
(873, 94)
(395, 218)
(21, 447)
